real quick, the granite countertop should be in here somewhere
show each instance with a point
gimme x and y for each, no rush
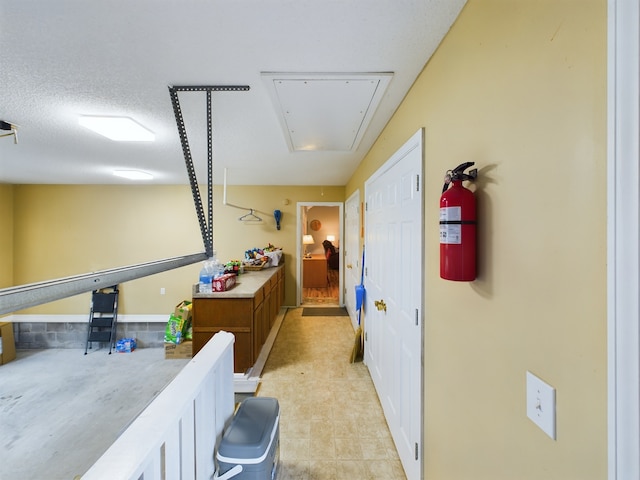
(247, 284)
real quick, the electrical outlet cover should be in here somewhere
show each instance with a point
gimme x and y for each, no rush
(541, 404)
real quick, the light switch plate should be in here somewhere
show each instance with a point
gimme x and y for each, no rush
(541, 404)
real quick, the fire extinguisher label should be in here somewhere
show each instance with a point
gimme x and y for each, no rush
(451, 233)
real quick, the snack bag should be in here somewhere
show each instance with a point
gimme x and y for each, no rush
(174, 332)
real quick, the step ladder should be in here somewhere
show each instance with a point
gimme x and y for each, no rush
(103, 317)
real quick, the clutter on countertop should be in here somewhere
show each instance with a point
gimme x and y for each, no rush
(223, 282)
(211, 269)
(233, 266)
(259, 258)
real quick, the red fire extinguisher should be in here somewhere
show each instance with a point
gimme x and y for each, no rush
(458, 226)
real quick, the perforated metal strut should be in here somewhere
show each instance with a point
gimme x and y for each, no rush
(24, 296)
(206, 225)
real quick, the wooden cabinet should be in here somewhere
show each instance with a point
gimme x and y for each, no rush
(248, 311)
(314, 272)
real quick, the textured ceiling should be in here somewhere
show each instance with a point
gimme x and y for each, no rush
(63, 59)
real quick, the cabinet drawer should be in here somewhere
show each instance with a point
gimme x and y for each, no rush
(224, 313)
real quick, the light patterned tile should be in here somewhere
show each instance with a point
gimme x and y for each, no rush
(348, 449)
(332, 426)
(346, 427)
(387, 469)
(351, 469)
(323, 470)
(294, 449)
(293, 470)
(374, 448)
(322, 447)
(322, 428)
(295, 428)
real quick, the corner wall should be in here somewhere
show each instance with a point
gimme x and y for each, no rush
(519, 88)
(63, 230)
(6, 235)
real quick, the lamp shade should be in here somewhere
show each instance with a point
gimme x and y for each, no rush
(308, 240)
(331, 238)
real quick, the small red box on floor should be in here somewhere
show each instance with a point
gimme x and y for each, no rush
(223, 282)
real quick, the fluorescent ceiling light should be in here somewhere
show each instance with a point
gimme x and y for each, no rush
(133, 174)
(120, 129)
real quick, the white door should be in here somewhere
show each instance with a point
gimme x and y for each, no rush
(352, 254)
(393, 281)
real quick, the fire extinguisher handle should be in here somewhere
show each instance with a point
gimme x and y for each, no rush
(458, 172)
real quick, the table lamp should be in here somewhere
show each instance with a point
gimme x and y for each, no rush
(307, 240)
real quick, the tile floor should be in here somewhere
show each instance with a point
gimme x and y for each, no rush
(332, 425)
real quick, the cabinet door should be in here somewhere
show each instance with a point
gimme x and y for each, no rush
(280, 288)
(266, 319)
(258, 327)
(234, 315)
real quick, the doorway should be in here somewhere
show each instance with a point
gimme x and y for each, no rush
(319, 258)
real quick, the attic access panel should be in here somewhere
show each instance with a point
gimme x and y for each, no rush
(326, 112)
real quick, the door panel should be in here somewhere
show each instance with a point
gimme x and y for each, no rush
(393, 349)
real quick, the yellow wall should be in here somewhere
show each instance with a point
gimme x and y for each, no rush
(6, 235)
(519, 88)
(63, 230)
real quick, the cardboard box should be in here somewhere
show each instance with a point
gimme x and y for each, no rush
(183, 310)
(182, 350)
(8, 345)
(223, 282)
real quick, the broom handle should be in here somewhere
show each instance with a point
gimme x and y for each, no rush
(362, 268)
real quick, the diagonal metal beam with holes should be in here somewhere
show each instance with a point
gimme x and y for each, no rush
(24, 296)
(206, 225)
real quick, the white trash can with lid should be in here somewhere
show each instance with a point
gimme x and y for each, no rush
(250, 446)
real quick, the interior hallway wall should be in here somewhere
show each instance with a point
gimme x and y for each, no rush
(63, 230)
(6, 235)
(520, 89)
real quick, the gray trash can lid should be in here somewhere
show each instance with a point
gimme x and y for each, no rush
(252, 429)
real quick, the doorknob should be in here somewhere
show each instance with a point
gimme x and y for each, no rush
(349, 265)
(380, 305)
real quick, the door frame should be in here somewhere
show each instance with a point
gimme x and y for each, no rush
(356, 256)
(623, 238)
(300, 246)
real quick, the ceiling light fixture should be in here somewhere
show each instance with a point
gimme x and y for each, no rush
(119, 129)
(133, 174)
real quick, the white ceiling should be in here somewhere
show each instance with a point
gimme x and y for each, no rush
(62, 59)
